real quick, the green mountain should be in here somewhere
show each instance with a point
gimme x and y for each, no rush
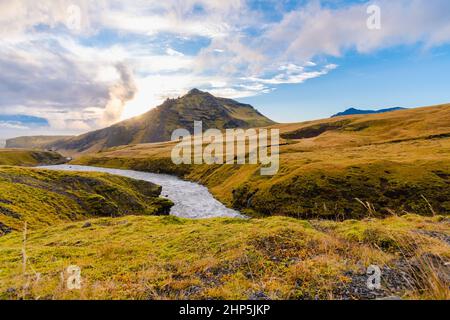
(158, 124)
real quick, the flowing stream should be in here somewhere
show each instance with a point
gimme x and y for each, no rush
(191, 200)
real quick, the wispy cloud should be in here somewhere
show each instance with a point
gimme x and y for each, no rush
(292, 73)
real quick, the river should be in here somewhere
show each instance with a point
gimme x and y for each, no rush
(191, 200)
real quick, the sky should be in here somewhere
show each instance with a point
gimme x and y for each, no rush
(68, 67)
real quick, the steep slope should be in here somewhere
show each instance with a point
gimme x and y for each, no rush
(42, 197)
(158, 124)
(353, 111)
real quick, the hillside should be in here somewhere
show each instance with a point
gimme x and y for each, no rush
(43, 198)
(159, 123)
(274, 258)
(353, 111)
(34, 142)
(18, 157)
(391, 163)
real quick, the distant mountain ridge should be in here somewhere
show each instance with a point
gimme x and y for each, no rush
(352, 111)
(158, 124)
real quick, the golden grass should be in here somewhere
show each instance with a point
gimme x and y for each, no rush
(275, 258)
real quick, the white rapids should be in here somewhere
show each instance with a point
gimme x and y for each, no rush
(191, 200)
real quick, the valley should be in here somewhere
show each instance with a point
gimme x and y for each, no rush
(393, 162)
(351, 192)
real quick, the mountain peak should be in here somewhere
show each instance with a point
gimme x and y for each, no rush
(158, 124)
(195, 91)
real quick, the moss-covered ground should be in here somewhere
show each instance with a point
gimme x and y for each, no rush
(140, 257)
(42, 197)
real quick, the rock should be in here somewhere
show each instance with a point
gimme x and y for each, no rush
(87, 225)
(437, 235)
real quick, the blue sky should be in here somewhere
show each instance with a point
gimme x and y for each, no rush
(75, 66)
(396, 77)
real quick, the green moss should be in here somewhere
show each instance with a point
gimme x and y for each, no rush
(172, 220)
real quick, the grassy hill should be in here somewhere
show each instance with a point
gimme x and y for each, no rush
(159, 123)
(18, 157)
(331, 168)
(274, 258)
(34, 142)
(43, 198)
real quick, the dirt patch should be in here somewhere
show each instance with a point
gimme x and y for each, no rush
(286, 246)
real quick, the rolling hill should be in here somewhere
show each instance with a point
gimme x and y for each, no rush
(158, 124)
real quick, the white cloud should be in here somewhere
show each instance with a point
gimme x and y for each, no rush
(173, 53)
(12, 125)
(317, 30)
(293, 74)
